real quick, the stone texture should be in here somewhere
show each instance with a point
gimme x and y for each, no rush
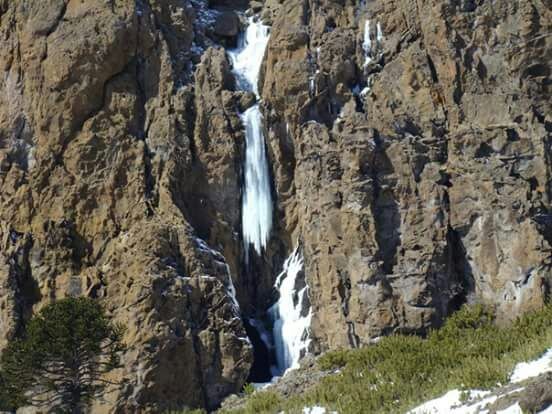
(101, 144)
(414, 183)
(227, 24)
(432, 186)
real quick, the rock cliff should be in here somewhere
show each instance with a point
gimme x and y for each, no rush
(410, 150)
(106, 163)
(417, 174)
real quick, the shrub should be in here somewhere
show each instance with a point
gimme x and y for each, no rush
(400, 372)
(248, 389)
(60, 361)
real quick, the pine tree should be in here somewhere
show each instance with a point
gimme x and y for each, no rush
(61, 360)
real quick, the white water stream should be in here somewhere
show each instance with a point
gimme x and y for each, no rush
(290, 316)
(257, 200)
(367, 43)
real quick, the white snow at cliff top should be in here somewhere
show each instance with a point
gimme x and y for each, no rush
(525, 370)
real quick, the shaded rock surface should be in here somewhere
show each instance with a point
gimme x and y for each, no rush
(107, 156)
(415, 179)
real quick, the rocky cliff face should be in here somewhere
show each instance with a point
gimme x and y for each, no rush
(414, 173)
(106, 163)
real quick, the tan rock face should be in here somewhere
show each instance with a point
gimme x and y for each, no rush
(101, 144)
(432, 186)
(414, 181)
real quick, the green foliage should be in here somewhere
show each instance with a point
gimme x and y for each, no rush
(248, 389)
(400, 372)
(263, 402)
(60, 362)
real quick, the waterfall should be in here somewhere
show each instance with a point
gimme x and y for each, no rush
(371, 52)
(257, 201)
(291, 315)
(367, 43)
(379, 35)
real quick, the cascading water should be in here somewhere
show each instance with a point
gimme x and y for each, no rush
(257, 201)
(291, 315)
(379, 34)
(372, 54)
(367, 43)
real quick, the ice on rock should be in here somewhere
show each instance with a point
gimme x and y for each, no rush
(379, 34)
(290, 323)
(312, 79)
(263, 333)
(369, 50)
(367, 44)
(311, 85)
(247, 58)
(219, 259)
(257, 200)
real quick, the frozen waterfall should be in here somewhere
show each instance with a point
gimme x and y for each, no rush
(367, 43)
(371, 52)
(257, 201)
(379, 34)
(291, 315)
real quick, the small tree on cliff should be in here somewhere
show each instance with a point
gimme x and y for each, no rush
(62, 358)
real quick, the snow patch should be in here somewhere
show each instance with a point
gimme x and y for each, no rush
(451, 402)
(514, 409)
(525, 370)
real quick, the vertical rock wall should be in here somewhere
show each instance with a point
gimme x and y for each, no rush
(414, 183)
(421, 180)
(112, 185)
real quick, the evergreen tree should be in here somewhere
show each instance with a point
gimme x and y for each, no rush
(61, 360)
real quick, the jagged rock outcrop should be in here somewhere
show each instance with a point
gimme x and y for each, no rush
(417, 176)
(101, 139)
(414, 170)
